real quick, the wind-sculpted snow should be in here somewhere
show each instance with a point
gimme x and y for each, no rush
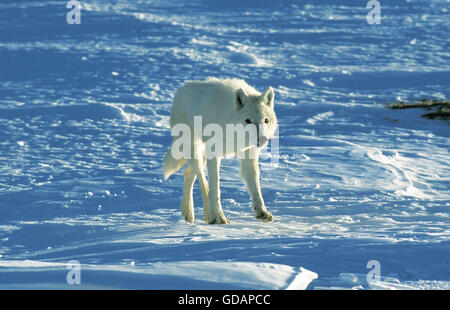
(84, 126)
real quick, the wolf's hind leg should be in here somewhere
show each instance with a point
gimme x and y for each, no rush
(187, 203)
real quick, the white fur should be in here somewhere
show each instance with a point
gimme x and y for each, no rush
(221, 102)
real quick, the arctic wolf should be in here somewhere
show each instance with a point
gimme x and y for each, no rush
(222, 103)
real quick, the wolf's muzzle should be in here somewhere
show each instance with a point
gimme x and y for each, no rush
(262, 141)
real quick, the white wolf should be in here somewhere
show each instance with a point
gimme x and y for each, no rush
(221, 102)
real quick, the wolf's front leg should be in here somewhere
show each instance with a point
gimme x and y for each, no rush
(250, 174)
(187, 203)
(216, 215)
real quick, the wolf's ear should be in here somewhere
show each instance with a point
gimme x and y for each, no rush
(268, 96)
(241, 98)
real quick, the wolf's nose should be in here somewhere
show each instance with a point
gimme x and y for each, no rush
(262, 140)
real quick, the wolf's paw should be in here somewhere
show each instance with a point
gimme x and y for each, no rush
(264, 216)
(219, 219)
(189, 217)
(187, 210)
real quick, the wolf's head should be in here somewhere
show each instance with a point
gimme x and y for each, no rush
(259, 111)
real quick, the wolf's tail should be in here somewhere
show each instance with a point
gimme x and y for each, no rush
(172, 165)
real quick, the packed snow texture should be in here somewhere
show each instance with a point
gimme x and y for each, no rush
(84, 113)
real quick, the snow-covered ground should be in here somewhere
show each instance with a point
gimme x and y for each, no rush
(84, 127)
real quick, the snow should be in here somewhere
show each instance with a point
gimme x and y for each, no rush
(84, 126)
(169, 275)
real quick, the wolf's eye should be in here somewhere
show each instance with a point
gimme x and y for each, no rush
(248, 121)
(266, 121)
